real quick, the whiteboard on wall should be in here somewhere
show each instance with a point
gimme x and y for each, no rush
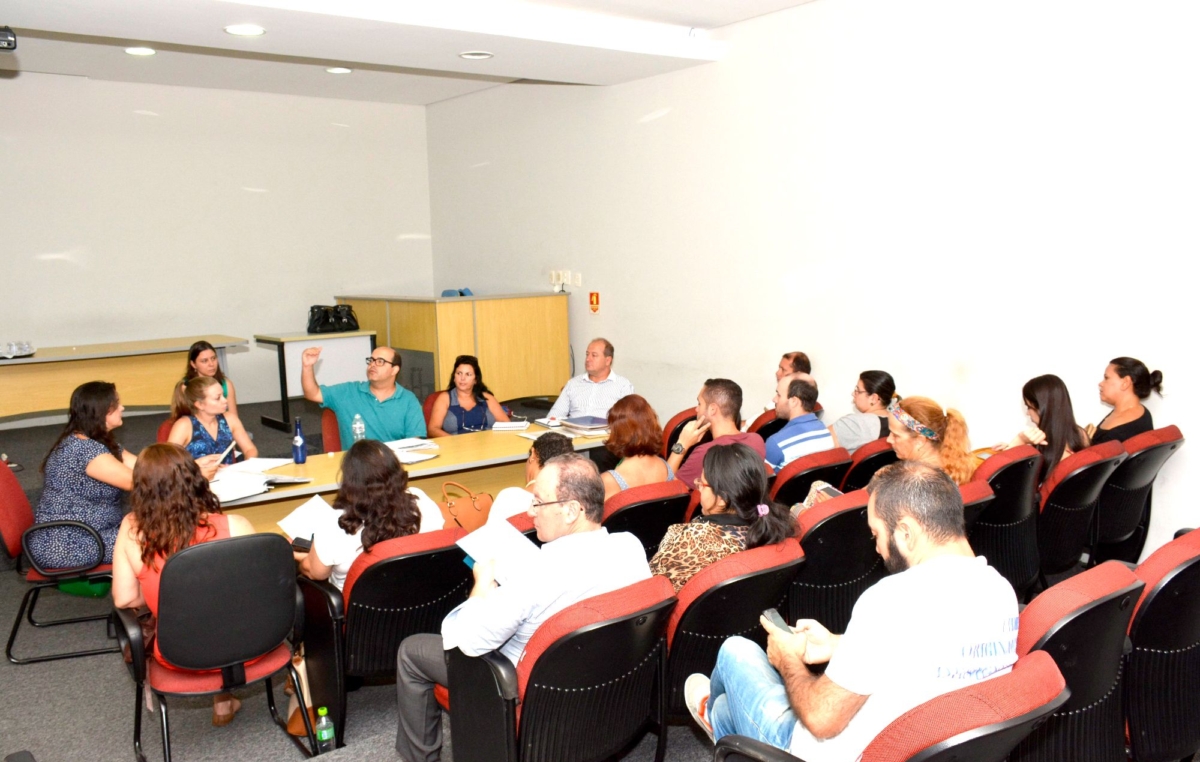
(343, 356)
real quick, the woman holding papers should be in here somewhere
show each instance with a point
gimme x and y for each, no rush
(86, 472)
(202, 361)
(736, 514)
(635, 437)
(373, 504)
(467, 404)
(207, 431)
(172, 508)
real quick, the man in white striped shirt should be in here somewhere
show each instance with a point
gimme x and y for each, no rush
(597, 390)
(804, 434)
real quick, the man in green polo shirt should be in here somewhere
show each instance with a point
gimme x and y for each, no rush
(389, 410)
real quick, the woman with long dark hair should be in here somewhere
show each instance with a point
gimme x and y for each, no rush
(1054, 431)
(86, 472)
(736, 514)
(1127, 381)
(374, 503)
(172, 508)
(202, 361)
(467, 404)
(869, 421)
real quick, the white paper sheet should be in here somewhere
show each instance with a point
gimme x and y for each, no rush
(258, 465)
(412, 443)
(308, 517)
(230, 485)
(503, 543)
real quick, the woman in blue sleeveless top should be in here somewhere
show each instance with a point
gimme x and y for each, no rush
(207, 431)
(466, 405)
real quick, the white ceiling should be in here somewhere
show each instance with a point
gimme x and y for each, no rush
(402, 51)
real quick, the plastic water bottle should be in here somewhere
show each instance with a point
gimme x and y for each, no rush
(325, 735)
(299, 448)
(359, 427)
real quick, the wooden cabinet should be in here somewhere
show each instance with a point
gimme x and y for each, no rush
(521, 340)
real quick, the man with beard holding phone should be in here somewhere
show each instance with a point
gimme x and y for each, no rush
(943, 620)
(719, 410)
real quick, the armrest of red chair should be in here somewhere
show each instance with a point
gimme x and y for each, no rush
(737, 748)
(129, 638)
(483, 705)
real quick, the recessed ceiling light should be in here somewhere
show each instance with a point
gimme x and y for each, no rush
(339, 70)
(475, 55)
(140, 51)
(246, 30)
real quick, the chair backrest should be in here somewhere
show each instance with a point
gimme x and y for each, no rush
(226, 602)
(865, 461)
(794, 479)
(1082, 622)
(981, 722)
(164, 430)
(674, 426)
(427, 405)
(976, 497)
(524, 524)
(1162, 684)
(1006, 531)
(331, 435)
(723, 600)
(647, 511)
(16, 515)
(762, 420)
(401, 587)
(1123, 499)
(1068, 504)
(840, 561)
(589, 676)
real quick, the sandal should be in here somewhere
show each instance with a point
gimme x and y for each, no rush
(219, 718)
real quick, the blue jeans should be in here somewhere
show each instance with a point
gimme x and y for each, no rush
(747, 696)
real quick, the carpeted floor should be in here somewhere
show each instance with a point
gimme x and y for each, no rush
(82, 709)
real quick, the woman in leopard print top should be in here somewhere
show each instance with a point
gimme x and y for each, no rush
(735, 514)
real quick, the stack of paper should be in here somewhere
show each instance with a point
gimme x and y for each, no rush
(229, 485)
(511, 426)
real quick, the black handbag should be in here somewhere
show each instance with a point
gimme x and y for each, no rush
(323, 318)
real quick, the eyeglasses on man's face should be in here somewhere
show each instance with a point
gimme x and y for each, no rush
(379, 362)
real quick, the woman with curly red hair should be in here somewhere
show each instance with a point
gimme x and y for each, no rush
(634, 436)
(172, 509)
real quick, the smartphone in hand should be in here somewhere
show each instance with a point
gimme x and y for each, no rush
(301, 545)
(773, 616)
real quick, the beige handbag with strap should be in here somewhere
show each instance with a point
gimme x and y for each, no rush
(469, 512)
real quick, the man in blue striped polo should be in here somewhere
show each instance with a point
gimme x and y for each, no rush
(795, 398)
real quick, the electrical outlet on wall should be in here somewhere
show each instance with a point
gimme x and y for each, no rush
(578, 280)
(566, 277)
(555, 277)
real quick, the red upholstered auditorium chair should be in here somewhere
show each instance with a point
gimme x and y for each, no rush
(976, 497)
(1162, 679)
(840, 561)
(1006, 532)
(16, 525)
(1066, 523)
(164, 430)
(1081, 622)
(674, 426)
(766, 425)
(226, 612)
(647, 511)
(979, 723)
(524, 524)
(427, 406)
(793, 480)
(723, 600)
(1123, 513)
(331, 436)
(865, 461)
(400, 587)
(591, 679)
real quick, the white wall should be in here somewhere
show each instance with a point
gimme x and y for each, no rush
(118, 225)
(964, 194)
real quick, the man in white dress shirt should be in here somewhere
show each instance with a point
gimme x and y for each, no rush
(579, 559)
(597, 390)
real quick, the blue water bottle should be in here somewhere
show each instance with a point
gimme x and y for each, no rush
(299, 448)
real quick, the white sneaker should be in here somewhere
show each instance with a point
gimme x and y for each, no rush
(695, 694)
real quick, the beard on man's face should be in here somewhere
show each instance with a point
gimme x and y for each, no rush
(894, 562)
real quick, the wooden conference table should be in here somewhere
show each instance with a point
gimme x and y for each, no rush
(145, 372)
(483, 461)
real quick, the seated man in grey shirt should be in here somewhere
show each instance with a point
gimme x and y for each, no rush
(579, 559)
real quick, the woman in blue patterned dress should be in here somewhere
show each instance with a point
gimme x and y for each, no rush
(86, 474)
(207, 431)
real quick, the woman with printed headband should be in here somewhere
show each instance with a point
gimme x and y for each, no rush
(735, 514)
(922, 431)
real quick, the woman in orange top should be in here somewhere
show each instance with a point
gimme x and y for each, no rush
(172, 509)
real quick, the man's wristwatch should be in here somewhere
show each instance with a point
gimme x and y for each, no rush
(677, 448)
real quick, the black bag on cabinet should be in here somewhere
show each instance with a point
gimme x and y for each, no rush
(323, 318)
